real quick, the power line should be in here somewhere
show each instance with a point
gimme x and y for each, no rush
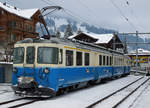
(122, 14)
(79, 17)
(89, 10)
(46, 2)
(129, 5)
(71, 13)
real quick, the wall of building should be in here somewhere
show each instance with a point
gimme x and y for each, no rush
(6, 72)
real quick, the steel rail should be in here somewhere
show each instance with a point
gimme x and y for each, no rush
(122, 100)
(10, 101)
(23, 104)
(106, 97)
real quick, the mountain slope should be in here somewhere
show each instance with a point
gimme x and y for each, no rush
(60, 23)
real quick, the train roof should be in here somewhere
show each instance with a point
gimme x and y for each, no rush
(71, 42)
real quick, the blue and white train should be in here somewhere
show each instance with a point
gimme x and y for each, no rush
(47, 67)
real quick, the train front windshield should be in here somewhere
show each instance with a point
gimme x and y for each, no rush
(47, 55)
(18, 55)
(30, 55)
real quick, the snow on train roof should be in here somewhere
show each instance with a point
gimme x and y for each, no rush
(25, 13)
(101, 38)
(70, 42)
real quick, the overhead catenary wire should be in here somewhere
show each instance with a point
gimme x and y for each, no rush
(90, 11)
(122, 14)
(81, 18)
(129, 6)
(46, 2)
(71, 13)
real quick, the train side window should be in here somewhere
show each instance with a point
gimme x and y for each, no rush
(115, 61)
(79, 58)
(100, 59)
(60, 56)
(107, 60)
(69, 58)
(110, 60)
(103, 60)
(87, 59)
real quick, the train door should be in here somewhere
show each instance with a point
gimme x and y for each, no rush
(96, 67)
(29, 64)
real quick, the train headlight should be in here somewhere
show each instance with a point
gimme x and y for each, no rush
(20, 79)
(25, 80)
(46, 70)
(15, 70)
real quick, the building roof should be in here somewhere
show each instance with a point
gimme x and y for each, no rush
(25, 13)
(140, 52)
(104, 38)
(101, 38)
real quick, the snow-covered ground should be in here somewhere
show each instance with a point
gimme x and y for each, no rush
(83, 98)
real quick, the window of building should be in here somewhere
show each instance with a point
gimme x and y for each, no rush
(15, 37)
(87, 59)
(31, 29)
(20, 37)
(100, 59)
(14, 24)
(26, 27)
(79, 58)
(69, 58)
(2, 12)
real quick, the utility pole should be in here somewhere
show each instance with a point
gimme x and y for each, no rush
(114, 39)
(136, 52)
(136, 43)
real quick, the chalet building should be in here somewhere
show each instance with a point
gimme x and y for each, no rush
(143, 57)
(16, 24)
(105, 40)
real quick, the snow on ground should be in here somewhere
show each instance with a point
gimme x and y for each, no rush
(143, 100)
(83, 98)
(120, 95)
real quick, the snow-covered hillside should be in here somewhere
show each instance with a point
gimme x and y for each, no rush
(60, 23)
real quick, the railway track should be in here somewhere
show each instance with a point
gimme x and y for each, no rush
(29, 101)
(122, 89)
(4, 91)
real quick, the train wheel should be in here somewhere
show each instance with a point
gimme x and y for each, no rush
(98, 81)
(66, 90)
(60, 92)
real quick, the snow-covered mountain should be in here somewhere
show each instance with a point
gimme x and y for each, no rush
(60, 23)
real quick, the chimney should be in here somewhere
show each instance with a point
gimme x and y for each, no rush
(4, 3)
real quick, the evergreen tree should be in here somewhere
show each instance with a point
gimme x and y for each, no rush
(79, 31)
(68, 31)
(58, 34)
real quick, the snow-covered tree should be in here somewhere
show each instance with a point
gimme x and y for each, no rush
(68, 31)
(79, 31)
(58, 34)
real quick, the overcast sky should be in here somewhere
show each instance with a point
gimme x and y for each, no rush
(102, 13)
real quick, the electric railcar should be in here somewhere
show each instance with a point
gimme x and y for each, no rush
(46, 67)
